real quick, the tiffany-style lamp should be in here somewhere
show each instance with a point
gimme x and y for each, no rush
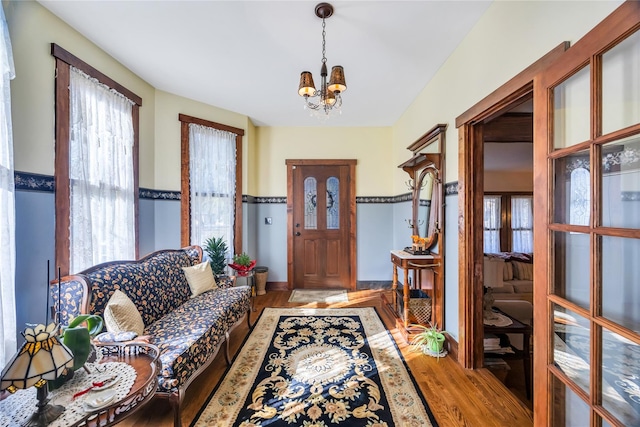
(42, 357)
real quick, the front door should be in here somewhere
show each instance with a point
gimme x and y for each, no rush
(321, 211)
(587, 229)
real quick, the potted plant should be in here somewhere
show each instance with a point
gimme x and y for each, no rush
(430, 340)
(77, 337)
(216, 249)
(242, 264)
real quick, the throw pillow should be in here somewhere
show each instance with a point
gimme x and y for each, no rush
(522, 270)
(200, 278)
(493, 272)
(121, 315)
(507, 271)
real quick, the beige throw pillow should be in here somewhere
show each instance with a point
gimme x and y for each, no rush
(507, 272)
(200, 278)
(121, 314)
(493, 272)
(522, 270)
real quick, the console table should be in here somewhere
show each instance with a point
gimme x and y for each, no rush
(415, 266)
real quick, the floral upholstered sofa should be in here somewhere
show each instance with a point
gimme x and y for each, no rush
(188, 331)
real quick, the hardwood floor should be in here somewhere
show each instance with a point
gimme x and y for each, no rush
(456, 396)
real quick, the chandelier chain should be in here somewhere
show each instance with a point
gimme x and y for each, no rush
(324, 59)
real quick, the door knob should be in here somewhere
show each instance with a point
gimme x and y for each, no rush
(297, 233)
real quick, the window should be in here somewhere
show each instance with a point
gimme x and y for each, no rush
(211, 199)
(7, 202)
(492, 224)
(522, 224)
(508, 223)
(96, 169)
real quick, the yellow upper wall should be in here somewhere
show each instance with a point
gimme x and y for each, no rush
(370, 146)
(32, 29)
(509, 37)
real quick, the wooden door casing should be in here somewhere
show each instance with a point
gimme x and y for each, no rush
(321, 257)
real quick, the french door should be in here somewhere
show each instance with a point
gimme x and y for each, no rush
(587, 222)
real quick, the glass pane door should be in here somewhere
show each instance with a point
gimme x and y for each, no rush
(591, 229)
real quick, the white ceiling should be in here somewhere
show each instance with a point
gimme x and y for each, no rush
(246, 56)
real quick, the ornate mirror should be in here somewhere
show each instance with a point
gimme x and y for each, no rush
(425, 169)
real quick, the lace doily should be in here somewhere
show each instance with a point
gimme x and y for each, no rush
(18, 407)
(500, 320)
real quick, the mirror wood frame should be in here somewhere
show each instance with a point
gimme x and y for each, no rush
(427, 159)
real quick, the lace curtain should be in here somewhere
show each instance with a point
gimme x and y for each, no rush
(212, 181)
(492, 224)
(102, 226)
(7, 202)
(522, 224)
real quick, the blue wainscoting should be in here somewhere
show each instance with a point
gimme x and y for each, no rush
(35, 230)
(381, 226)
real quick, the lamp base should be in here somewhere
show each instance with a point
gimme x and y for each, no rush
(44, 416)
(46, 413)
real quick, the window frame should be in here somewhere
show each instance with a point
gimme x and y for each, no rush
(64, 60)
(506, 232)
(185, 173)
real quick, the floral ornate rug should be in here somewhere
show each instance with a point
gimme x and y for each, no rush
(327, 296)
(317, 368)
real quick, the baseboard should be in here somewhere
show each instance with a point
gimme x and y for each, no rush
(453, 347)
(277, 286)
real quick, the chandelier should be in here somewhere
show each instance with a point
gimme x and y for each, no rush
(327, 98)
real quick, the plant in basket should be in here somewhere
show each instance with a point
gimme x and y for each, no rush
(242, 264)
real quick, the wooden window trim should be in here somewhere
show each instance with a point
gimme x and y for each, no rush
(506, 232)
(185, 199)
(64, 60)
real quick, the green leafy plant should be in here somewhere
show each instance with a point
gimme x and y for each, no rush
(77, 336)
(430, 340)
(217, 250)
(242, 259)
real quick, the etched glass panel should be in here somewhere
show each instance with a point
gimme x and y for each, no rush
(571, 345)
(333, 203)
(571, 273)
(310, 203)
(572, 189)
(621, 85)
(621, 377)
(621, 183)
(571, 111)
(568, 409)
(620, 290)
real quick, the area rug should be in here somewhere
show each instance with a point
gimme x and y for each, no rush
(319, 295)
(317, 368)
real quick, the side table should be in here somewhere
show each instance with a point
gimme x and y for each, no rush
(144, 359)
(516, 327)
(117, 358)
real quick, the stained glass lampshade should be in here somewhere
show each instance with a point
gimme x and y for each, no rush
(42, 357)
